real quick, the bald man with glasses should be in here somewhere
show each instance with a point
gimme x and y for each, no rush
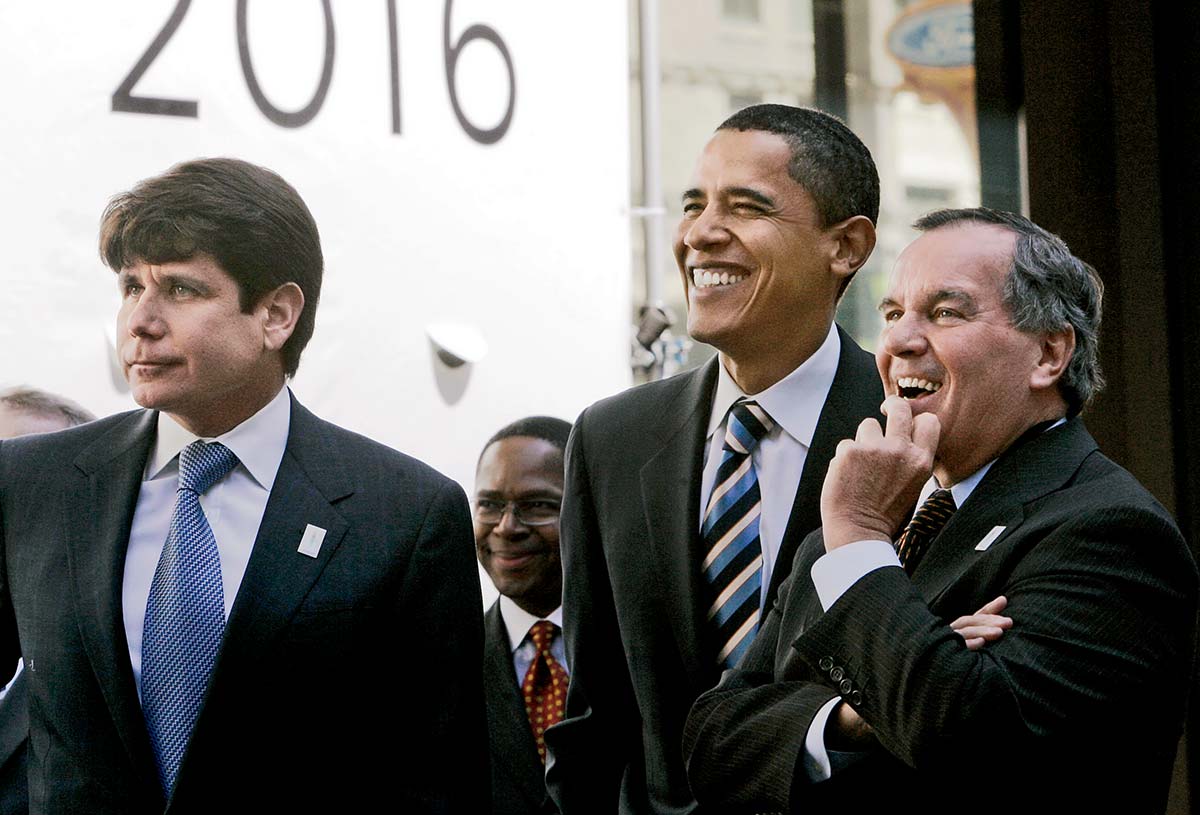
(518, 492)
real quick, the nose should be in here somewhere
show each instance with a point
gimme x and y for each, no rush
(143, 317)
(705, 230)
(508, 526)
(904, 337)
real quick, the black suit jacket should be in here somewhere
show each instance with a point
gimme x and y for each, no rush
(634, 598)
(331, 668)
(518, 776)
(1078, 707)
(14, 740)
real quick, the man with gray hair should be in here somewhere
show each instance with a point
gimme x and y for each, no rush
(1027, 634)
(24, 411)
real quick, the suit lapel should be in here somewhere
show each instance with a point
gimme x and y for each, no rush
(98, 514)
(1022, 475)
(311, 478)
(670, 482)
(854, 394)
(515, 748)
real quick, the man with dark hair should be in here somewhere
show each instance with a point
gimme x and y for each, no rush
(518, 492)
(224, 602)
(686, 498)
(873, 680)
(24, 411)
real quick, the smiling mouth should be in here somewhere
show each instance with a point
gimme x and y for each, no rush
(910, 387)
(709, 278)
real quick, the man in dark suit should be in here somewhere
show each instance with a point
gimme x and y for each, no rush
(675, 532)
(868, 685)
(223, 602)
(518, 492)
(24, 411)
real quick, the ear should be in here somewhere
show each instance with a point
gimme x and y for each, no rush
(280, 309)
(855, 241)
(1056, 348)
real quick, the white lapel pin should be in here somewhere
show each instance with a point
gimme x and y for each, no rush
(310, 541)
(989, 538)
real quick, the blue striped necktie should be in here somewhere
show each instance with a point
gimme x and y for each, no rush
(185, 613)
(733, 560)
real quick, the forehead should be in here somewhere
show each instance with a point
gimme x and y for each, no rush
(15, 423)
(201, 267)
(972, 258)
(508, 462)
(735, 158)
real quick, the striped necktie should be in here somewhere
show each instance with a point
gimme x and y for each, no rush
(733, 560)
(185, 613)
(925, 525)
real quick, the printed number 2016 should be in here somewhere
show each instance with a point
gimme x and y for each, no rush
(124, 100)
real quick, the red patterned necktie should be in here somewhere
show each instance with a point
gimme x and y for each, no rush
(926, 523)
(545, 685)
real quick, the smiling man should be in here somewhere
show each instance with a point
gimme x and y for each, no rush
(222, 600)
(686, 498)
(1023, 640)
(518, 492)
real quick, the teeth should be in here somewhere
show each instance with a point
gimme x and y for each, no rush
(703, 279)
(906, 383)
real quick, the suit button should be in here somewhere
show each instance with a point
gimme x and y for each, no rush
(846, 686)
(837, 673)
(825, 664)
(856, 698)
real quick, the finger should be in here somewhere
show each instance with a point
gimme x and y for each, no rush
(899, 418)
(994, 607)
(926, 431)
(994, 620)
(976, 643)
(987, 632)
(869, 430)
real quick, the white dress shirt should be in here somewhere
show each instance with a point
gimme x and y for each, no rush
(234, 507)
(794, 403)
(518, 622)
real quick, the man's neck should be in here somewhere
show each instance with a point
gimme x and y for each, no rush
(756, 369)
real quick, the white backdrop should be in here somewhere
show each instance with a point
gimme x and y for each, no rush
(524, 240)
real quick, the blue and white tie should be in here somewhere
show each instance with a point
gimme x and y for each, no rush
(733, 560)
(185, 614)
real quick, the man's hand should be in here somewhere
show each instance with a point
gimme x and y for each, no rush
(874, 480)
(845, 730)
(985, 625)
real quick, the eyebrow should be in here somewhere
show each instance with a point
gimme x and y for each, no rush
(957, 296)
(734, 192)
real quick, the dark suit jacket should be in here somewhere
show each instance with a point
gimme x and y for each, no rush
(634, 598)
(14, 741)
(1078, 707)
(518, 776)
(331, 668)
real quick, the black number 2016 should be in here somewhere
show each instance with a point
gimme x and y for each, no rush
(124, 100)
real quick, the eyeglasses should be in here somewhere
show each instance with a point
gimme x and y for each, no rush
(529, 513)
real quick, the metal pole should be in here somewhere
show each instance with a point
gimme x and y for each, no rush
(651, 210)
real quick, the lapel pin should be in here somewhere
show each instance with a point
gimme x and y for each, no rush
(310, 541)
(988, 539)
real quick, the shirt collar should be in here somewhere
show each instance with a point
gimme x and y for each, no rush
(518, 621)
(258, 442)
(963, 489)
(794, 402)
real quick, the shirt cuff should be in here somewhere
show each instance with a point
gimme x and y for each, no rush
(835, 572)
(816, 757)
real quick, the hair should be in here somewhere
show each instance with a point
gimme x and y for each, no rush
(251, 222)
(828, 160)
(547, 428)
(40, 403)
(1047, 289)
